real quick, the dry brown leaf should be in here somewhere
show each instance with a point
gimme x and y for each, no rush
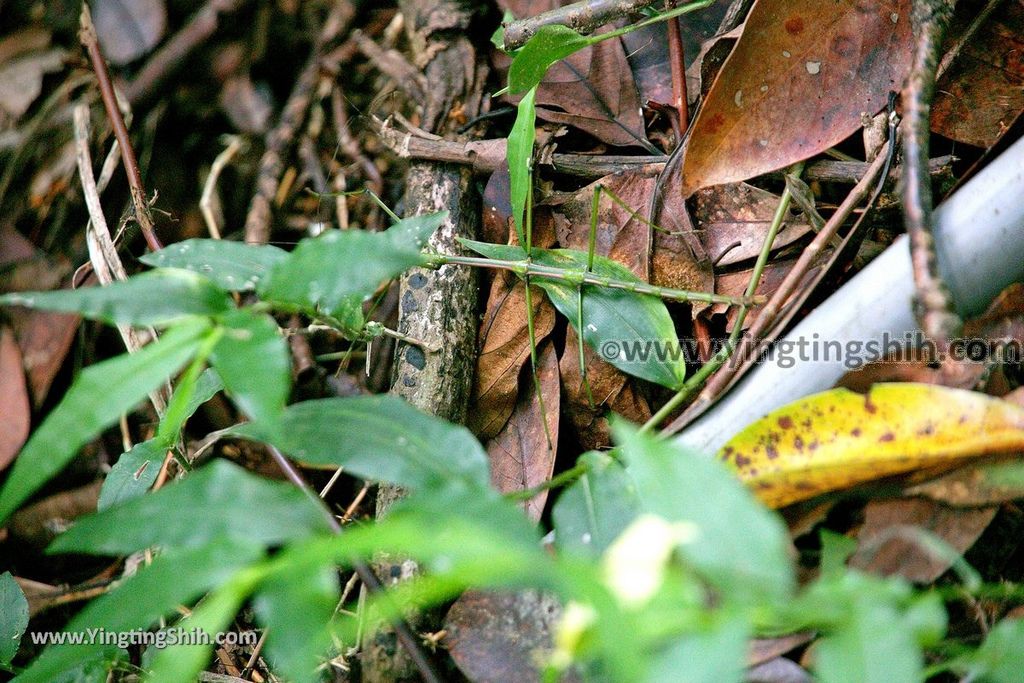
(505, 343)
(502, 637)
(247, 107)
(15, 415)
(888, 543)
(733, 219)
(984, 483)
(983, 90)
(21, 81)
(797, 83)
(522, 454)
(612, 390)
(128, 29)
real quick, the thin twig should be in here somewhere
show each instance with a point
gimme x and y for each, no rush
(366, 575)
(280, 138)
(210, 186)
(87, 35)
(767, 316)
(677, 63)
(933, 304)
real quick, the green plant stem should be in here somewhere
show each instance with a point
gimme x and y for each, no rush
(560, 479)
(576, 277)
(720, 358)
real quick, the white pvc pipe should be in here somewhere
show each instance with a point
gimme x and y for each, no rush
(980, 237)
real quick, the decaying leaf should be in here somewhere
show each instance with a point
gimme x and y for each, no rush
(891, 542)
(21, 81)
(838, 439)
(522, 454)
(505, 344)
(796, 84)
(501, 637)
(983, 90)
(15, 415)
(984, 483)
(733, 219)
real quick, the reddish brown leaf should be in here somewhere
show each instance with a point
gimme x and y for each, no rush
(796, 84)
(505, 342)
(612, 391)
(983, 89)
(983, 483)
(15, 415)
(522, 455)
(888, 545)
(502, 637)
(733, 220)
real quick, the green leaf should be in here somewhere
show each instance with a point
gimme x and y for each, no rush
(520, 159)
(550, 44)
(220, 500)
(740, 546)
(97, 398)
(13, 617)
(132, 474)
(182, 663)
(253, 360)
(157, 297)
(381, 438)
(871, 646)
(1000, 659)
(234, 266)
(174, 578)
(498, 252)
(324, 271)
(591, 513)
(714, 655)
(207, 386)
(296, 604)
(638, 326)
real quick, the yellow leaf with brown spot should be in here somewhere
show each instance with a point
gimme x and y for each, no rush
(838, 439)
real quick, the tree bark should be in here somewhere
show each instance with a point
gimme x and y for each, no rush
(439, 306)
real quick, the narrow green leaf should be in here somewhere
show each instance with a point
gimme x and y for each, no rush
(716, 654)
(634, 332)
(296, 604)
(174, 578)
(220, 500)
(324, 271)
(740, 546)
(550, 44)
(498, 252)
(591, 513)
(253, 360)
(157, 297)
(520, 159)
(207, 386)
(381, 438)
(132, 474)
(97, 398)
(1000, 659)
(182, 663)
(13, 617)
(234, 266)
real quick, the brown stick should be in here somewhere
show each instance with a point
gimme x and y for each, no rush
(582, 17)
(933, 303)
(279, 140)
(677, 63)
(87, 35)
(722, 379)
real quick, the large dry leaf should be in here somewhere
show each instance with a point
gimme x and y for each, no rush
(15, 415)
(983, 90)
(128, 29)
(797, 83)
(501, 637)
(592, 89)
(890, 541)
(522, 455)
(838, 439)
(733, 219)
(612, 391)
(505, 341)
(620, 235)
